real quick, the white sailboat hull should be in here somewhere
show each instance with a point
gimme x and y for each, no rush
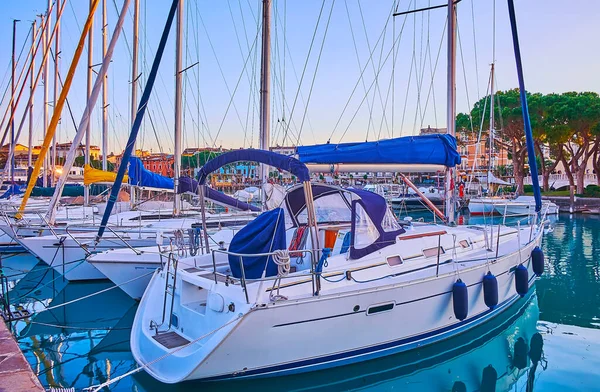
(68, 257)
(307, 333)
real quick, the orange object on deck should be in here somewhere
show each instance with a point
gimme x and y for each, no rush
(330, 238)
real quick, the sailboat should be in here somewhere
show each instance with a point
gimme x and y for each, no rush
(361, 286)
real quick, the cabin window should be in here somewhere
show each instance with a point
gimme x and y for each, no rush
(464, 243)
(430, 252)
(380, 308)
(394, 260)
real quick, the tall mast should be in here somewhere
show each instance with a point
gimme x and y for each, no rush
(31, 94)
(12, 95)
(491, 155)
(56, 87)
(451, 112)
(88, 133)
(178, 92)
(134, 75)
(46, 40)
(104, 91)
(265, 82)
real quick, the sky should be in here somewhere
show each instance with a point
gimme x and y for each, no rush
(340, 70)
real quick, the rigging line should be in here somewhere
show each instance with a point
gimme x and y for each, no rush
(424, 65)
(232, 96)
(67, 100)
(140, 87)
(462, 60)
(377, 87)
(205, 122)
(480, 129)
(360, 76)
(301, 95)
(396, 4)
(245, 126)
(358, 60)
(238, 40)
(312, 41)
(433, 72)
(234, 90)
(475, 42)
(363, 100)
(17, 64)
(315, 73)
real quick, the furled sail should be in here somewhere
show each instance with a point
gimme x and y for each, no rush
(142, 177)
(438, 149)
(93, 176)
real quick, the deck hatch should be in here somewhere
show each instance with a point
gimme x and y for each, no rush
(171, 339)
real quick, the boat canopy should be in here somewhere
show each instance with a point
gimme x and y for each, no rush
(93, 176)
(373, 224)
(283, 162)
(437, 149)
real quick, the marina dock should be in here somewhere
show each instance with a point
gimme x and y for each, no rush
(15, 373)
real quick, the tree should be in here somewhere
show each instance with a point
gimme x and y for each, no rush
(509, 118)
(580, 113)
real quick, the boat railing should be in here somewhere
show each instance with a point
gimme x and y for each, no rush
(244, 281)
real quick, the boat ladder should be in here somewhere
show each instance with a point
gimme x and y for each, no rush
(170, 284)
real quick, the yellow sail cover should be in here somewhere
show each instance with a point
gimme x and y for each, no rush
(92, 176)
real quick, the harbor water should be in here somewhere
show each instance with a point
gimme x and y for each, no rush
(547, 341)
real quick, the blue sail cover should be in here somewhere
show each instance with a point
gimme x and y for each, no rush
(289, 164)
(438, 149)
(140, 176)
(264, 234)
(14, 189)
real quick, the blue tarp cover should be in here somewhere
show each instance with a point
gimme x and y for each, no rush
(264, 234)
(14, 189)
(289, 164)
(140, 176)
(439, 149)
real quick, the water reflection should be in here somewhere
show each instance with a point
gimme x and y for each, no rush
(568, 293)
(87, 342)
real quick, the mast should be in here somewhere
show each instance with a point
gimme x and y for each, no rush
(134, 76)
(451, 112)
(81, 129)
(12, 98)
(265, 82)
(31, 94)
(45, 77)
(491, 154)
(138, 121)
(104, 92)
(58, 107)
(88, 134)
(56, 87)
(535, 182)
(178, 124)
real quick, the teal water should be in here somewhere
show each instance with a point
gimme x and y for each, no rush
(87, 342)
